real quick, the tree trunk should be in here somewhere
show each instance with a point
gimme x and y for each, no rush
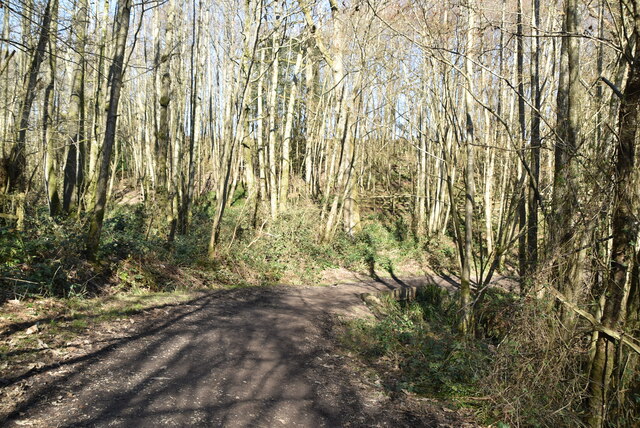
(116, 73)
(163, 141)
(565, 180)
(465, 277)
(285, 166)
(272, 111)
(625, 232)
(522, 205)
(97, 128)
(187, 192)
(74, 167)
(17, 162)
(51, 152)
(262, 172)
(532, 223)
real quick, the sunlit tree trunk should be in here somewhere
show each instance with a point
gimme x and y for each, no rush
(285, 166)
(522, 206)
(272, 111)
(51, 154)
(17, 162)
(99, 99)
(262, 169)
(532, 220)
(116, 73)
(74, 166)
(565, 180)
(163, 138)
(465, 278)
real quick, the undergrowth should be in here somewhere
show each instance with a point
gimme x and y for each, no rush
(47, 259)
(520, 369)
(416, 350)
(536, 377)
(288, 250)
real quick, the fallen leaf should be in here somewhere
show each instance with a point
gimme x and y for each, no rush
(33, 329)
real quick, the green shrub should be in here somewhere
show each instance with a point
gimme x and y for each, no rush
(376, 247)
(43, 259)
(416, 348)
(288, 246)
(441, 253)
(124, 232)
(47, 257)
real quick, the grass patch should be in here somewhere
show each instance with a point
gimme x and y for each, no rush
(34, 333)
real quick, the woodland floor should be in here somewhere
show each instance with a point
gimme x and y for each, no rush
(263, 357)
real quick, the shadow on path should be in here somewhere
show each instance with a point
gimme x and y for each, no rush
(233, 358)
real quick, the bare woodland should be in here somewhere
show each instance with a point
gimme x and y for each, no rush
(510, 126)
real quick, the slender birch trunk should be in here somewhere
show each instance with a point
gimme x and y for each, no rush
(285, 166)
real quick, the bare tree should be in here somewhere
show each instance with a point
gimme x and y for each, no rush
(116, 73)
(74, 167)
(625, 232)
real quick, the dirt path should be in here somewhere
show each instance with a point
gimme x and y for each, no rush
(235, 358)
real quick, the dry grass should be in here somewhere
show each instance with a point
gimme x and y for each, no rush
(536, 376)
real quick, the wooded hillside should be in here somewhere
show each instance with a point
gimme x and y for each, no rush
(508, 127)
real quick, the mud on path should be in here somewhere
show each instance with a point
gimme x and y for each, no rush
(235, 358)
